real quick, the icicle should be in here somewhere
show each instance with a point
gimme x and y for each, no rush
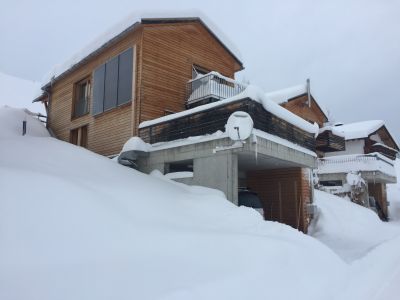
(255, 141)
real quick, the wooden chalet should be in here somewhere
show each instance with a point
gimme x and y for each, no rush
(370, 151)
(167, 79)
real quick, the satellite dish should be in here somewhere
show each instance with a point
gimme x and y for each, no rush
(239, 126)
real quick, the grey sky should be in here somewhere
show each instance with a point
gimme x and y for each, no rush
(349, 49)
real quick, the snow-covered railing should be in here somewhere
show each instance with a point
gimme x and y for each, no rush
(355, 163)
(211, 87)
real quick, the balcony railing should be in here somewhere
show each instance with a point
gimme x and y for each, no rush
(211, 87)
(361, 162)
(213, 119)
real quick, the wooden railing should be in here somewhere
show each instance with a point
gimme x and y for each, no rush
(384, 150)
(210, 88)
(213, 119)
(329, 142)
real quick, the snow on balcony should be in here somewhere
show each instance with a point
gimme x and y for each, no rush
(354, 163)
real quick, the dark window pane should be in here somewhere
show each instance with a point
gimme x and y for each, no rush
(98, 90)
(111, 84)
(84, 136)
(73, 136)
(125, 76)
(81, 98)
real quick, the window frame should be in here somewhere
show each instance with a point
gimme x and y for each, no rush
(88, 80)
(76, 134)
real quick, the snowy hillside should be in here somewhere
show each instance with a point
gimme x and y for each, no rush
(17, 92)
(76, 225)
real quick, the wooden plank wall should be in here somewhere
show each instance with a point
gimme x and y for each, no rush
(284, 193)
(169, 51)
(106, 132)
(378, 191)
(300, 107)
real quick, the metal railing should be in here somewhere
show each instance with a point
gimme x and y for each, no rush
(352, 158)
(211, 87)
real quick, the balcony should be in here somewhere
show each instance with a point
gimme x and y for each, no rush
(327, 141)
(383, 149)
(211, 87)
(207, 121)
(374, 166)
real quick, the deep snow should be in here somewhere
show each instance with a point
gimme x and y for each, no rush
(76, 225)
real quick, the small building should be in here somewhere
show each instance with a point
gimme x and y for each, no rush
(369, 153)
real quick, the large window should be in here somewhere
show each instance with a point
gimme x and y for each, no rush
(112, 82)
(81, 98)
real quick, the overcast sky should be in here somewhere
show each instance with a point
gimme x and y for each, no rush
(349, 49)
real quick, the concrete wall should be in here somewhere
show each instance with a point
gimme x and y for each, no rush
(218, 172)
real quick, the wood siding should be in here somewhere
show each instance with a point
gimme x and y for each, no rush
(108, 131)
(169, 51)
(164, 57)
(378, 191)
(300, 107)
(284, 194)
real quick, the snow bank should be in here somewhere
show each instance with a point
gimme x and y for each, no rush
(98, 230)
(136, 143)
(11, 123)
(348, 228)
(17, 92)
(254, 93)
(127, 24)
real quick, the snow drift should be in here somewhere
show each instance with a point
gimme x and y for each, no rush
(348, 228)
(76, 225)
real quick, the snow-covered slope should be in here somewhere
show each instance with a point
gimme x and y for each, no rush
(75, 225)
(17, 92)
(349, 229)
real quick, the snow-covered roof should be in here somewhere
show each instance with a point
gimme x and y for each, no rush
(18, 92)
(359, 130)
(252, 92)
(129, 23)
(283, 95)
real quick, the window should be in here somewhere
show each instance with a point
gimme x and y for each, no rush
(197, 70)
(180, 166)
(79, 136)
(331, 183)
(81, 98)
(112, 82)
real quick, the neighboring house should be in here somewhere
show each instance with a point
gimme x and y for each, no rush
(370, 153)
(139, 83)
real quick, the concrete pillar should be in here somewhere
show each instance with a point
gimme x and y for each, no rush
(219, 171)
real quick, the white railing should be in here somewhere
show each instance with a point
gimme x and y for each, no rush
(356, 163)
(212, 86)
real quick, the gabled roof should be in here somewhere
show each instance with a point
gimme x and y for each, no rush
(119, 31)
(359, 130)
(291, 93)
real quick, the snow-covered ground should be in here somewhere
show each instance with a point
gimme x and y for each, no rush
(76, 225)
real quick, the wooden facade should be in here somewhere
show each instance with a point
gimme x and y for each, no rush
(284, 193)
(164, 55)
(311, 113)
(329, 142)
(378, 191)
